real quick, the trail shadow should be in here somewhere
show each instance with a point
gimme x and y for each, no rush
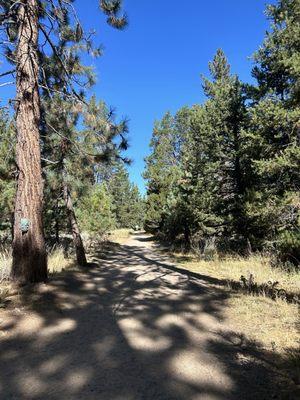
(142, 237)
(265, 289)
(132, 327)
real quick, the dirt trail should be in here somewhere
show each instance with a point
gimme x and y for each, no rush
(131, 327)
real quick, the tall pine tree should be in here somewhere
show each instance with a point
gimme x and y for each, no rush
(273, 137)
(32, 29)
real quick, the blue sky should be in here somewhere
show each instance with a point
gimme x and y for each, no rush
(155, 64)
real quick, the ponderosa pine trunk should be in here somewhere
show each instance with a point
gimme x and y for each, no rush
(77, 240)
(29, 254)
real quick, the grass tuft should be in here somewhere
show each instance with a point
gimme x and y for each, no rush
(58, 262)
(5, 264)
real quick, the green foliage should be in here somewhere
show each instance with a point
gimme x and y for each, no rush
(137, 208)
(223, 174)
(111, 203)
(63, 42)
(70, 155)
(288, 246)
(95, 210)
(278, 60)
(162, 167)
(7, 167)
(214, 159)
(196, 183)
(273, 136)
(126, 200)
(112, 8)
(231, 174)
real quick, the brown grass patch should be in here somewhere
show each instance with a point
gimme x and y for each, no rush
(57, 262)
(272, 323)
(120, 235)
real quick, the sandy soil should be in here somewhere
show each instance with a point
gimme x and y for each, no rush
(131, 327)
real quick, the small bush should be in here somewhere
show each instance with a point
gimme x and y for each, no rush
(288, 247)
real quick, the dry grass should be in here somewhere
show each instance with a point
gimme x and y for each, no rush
(120, 235)
(233, 268)
(9, 293)
(57, 262)
(5, 264)
(272, 323)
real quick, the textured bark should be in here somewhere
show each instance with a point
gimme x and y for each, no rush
(29, 255)
(77, 240)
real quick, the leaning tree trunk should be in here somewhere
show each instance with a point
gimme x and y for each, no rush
(77, 240)
(29, 254)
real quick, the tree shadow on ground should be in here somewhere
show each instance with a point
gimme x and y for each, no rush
(132, 327)
(267, 289)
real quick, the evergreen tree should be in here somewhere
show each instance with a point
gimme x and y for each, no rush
(177, 219)
(23, 22)
(126, 199)
(206, 189)
(231, 173)
(161, 171)
(75, 156)
(95, 210)
(7, 168)
(273, 138)
(194, 197)
(226, 116)
(278, 61)
(137, 208)
(61, 144)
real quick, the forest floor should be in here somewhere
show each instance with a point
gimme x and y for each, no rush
(133, 326)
